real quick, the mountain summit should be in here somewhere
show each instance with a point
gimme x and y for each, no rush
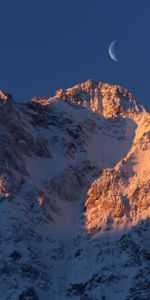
(75, 196)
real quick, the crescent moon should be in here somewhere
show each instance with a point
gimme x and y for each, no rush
(111, 51)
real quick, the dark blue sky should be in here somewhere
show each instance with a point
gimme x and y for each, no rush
(50, 44)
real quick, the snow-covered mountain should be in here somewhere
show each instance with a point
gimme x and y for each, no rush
(75, 196)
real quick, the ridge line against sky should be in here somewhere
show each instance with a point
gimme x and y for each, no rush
(46, 45)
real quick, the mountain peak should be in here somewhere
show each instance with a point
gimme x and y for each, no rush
(5, 97)
(106, 99)
(75, 195)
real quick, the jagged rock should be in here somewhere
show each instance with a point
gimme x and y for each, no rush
(75, 195)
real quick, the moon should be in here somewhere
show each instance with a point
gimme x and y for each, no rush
(111, 51)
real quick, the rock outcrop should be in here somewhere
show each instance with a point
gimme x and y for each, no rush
(75, 196)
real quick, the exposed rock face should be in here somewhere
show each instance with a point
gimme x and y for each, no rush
(75, 196)
(103, 98)
(121, 195)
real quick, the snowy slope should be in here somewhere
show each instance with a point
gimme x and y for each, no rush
(75, 196)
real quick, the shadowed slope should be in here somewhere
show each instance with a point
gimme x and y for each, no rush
(55, 242)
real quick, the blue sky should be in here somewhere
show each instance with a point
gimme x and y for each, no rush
(50, 44)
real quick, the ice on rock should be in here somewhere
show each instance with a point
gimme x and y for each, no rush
(75, 195)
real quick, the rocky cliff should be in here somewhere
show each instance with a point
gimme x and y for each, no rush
(75, 196)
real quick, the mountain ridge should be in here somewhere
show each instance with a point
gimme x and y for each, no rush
(75, 195)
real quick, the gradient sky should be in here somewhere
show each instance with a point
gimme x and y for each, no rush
(50, 44)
